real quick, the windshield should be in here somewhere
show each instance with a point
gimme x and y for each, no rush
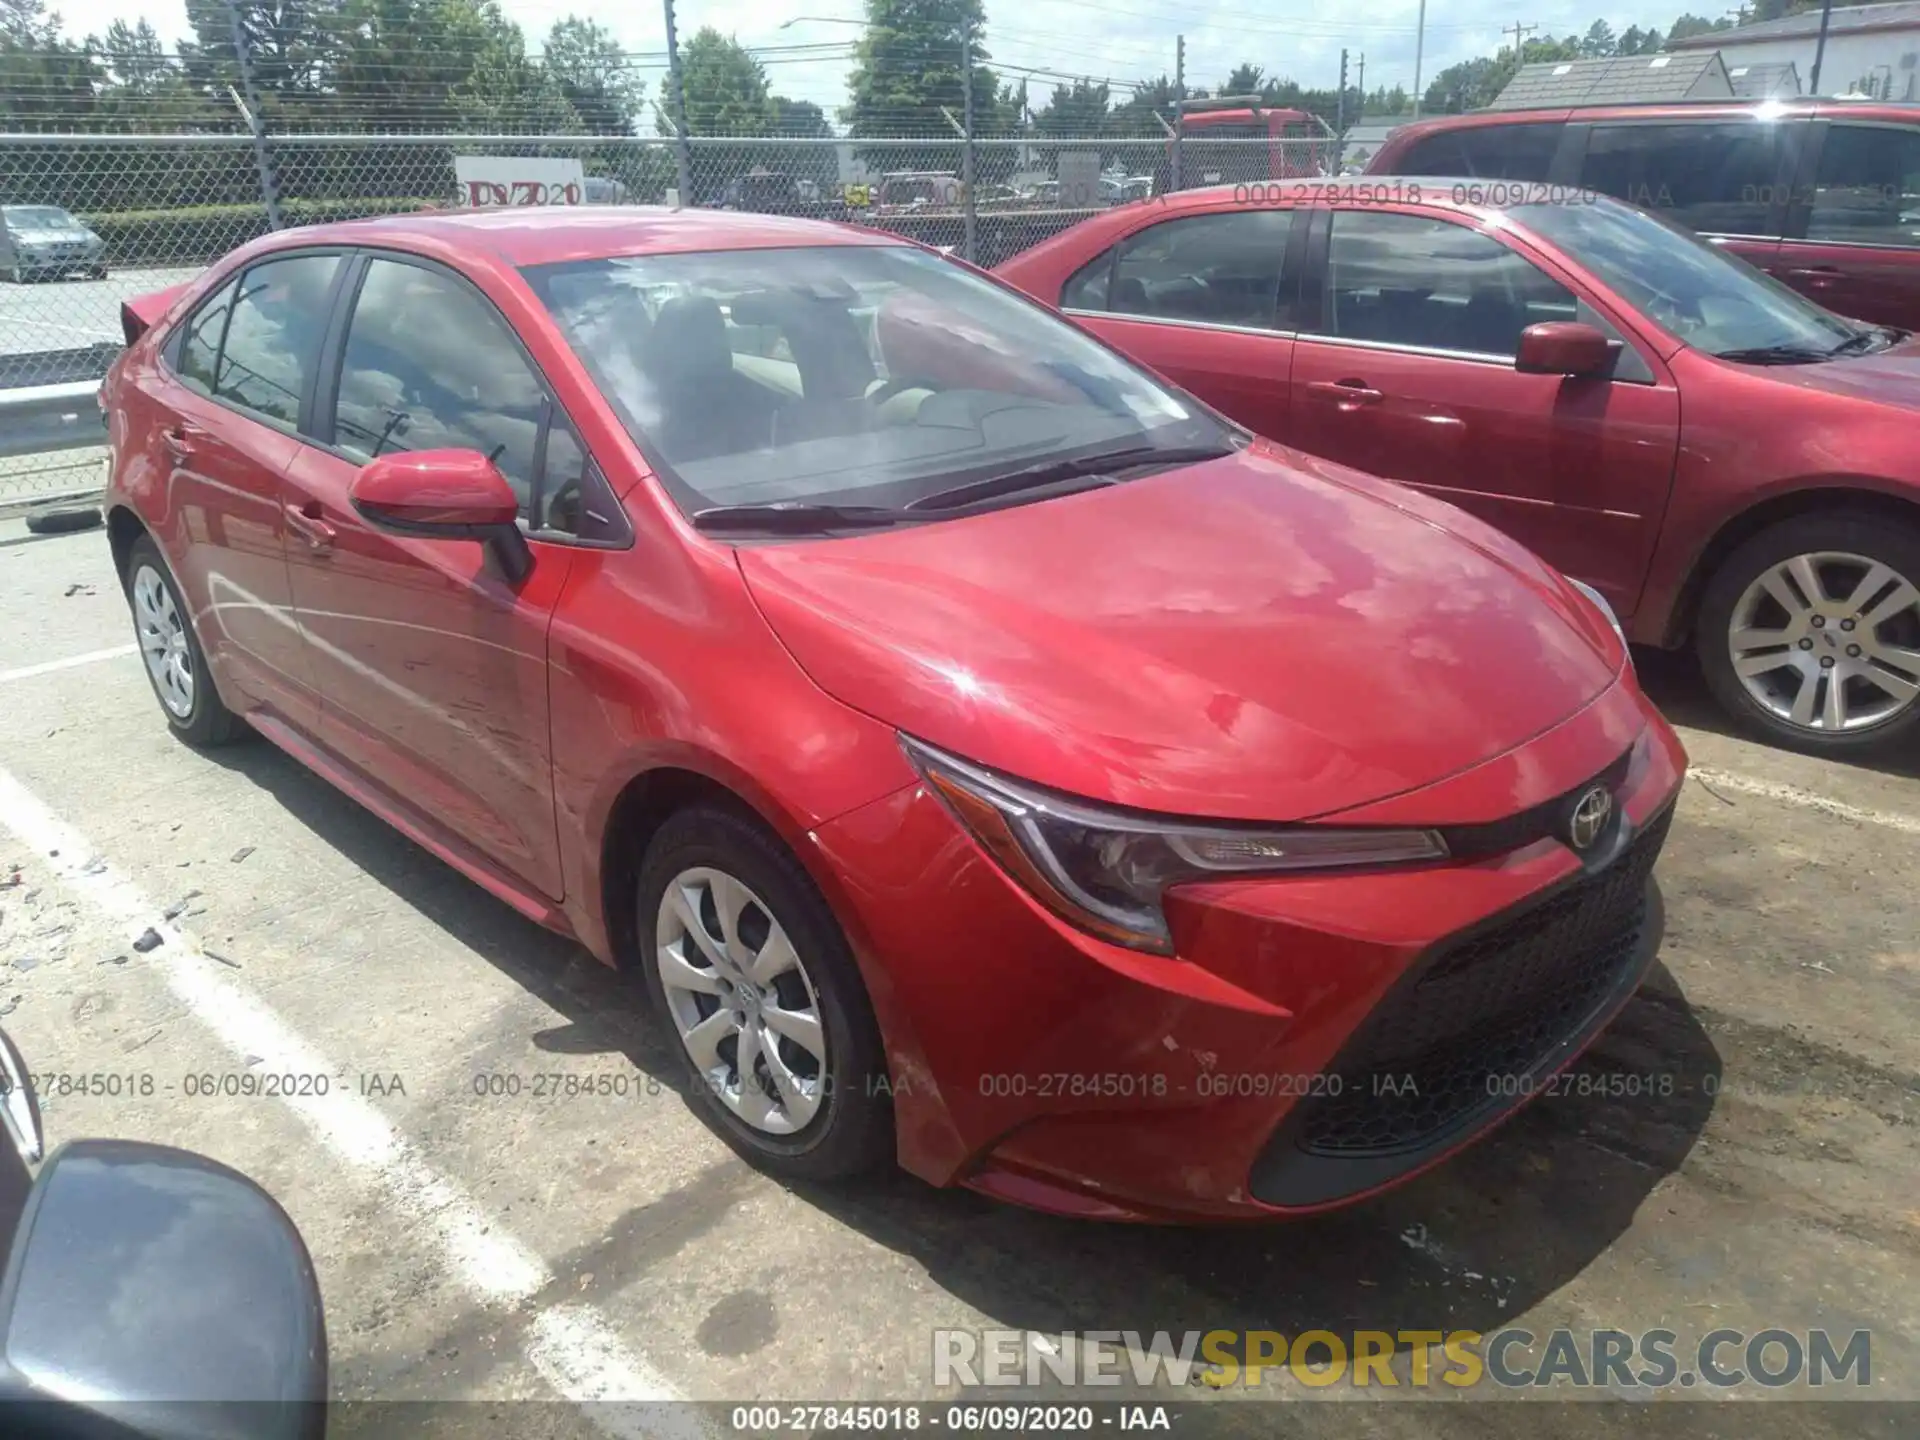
(37, 217)
(846, 374)
(1712, 300)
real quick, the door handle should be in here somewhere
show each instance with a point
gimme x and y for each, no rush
(179, 441)
(307, 521)
(1348, 394)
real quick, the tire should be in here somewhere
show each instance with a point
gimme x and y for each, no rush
(204, 720)
(851, 1130)
(97, 272)
(1869, 634)
(61, 522)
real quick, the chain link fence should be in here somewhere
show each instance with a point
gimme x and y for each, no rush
(92, 220)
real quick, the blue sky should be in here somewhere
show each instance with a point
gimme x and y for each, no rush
(1125, 40)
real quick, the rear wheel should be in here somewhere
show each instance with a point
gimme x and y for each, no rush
(1809, 633)
(748, 967)
(176, 665)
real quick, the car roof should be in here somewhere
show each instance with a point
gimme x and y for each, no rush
(539, 235)
(1717, 109)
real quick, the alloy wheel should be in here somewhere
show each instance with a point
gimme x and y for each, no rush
(1828, 641)
(163, 641)
(741, 1001)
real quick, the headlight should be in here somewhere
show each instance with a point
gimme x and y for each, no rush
(1106, 870)
(1600, 604)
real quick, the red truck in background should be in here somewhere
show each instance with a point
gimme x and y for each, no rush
(1212, 143)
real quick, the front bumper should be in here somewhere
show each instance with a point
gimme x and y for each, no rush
(1243, 1076)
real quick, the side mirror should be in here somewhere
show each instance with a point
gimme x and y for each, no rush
(152, 1293)
(448, 494)
(1563, 347)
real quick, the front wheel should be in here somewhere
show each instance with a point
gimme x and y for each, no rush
(747, 965)
(1809, 633)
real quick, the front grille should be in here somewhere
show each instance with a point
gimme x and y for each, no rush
(1489, 1005)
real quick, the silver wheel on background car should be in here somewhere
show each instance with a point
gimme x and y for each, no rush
(163, 641)
(741, 1000)
(1828, 641)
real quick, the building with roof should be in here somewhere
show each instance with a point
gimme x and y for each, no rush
(1872, 50)
(1776, 81)
(1622, 80)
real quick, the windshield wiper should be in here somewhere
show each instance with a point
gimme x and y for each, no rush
(804, 517)
(1099, 469)
(1775, 355)
(1859, 340)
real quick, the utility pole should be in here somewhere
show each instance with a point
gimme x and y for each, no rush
(1820, 47)
(1340, 108)
(1361, 84)
(1179, 95)
(682, 152)
(966, 140)
(257, 122)
(1419, 45)
(1519, 33)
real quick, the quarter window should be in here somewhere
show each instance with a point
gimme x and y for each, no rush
(1719, 179)
(1221, 269)
(1087, 288)
(1867, 190)
(272, 345)
(1429, 284)
(200, 346)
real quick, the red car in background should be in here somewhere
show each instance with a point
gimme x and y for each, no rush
(1732, 466)
(985, 755)
(1824, 195)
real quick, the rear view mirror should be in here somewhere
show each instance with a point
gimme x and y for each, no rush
(448, 494)
(156, 1294)
(1564, 347)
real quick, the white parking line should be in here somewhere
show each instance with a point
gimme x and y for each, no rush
(1794, 795)
(47, 667)
(573, 1346)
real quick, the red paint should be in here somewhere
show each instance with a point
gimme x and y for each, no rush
(1268, 636)
(1623, 485)
(434, 487)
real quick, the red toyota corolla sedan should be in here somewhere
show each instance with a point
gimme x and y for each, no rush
(986, 755)
(1731, 465)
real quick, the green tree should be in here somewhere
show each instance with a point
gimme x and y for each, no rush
(907, 68)
(726, 88)
(1687, 26)
(46, 81)
(1245, 80)
(292, 43)
(1599, 42)
(585, 60)
(1080, 109)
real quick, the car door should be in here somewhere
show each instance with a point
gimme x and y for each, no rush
(1854, 234)
(431, 663)
(1405, 368)
(1207, 301)
(228, 398)
(1728, 178)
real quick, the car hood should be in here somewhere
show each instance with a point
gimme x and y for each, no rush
(1890, 377)
(1264, 636)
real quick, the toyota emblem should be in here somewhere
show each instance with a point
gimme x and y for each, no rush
(1588, 823)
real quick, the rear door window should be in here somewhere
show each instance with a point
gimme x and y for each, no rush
(1867, 188)
(1720, 179)
(1486, 152)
